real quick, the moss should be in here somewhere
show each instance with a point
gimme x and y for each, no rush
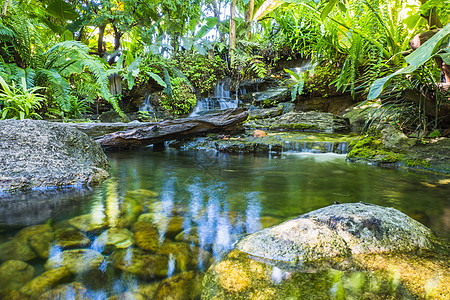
(295, 126)
(371, 148)
(416, 163)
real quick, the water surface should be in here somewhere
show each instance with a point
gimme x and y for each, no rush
(204, 202)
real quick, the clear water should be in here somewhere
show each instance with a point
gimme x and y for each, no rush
(216, 199)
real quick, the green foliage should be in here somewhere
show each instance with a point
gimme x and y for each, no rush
(247, 63)
(19, 102)
(180, 99)
(203, 71)
(296, 83)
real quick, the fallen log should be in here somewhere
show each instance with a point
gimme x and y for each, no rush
(173, 129)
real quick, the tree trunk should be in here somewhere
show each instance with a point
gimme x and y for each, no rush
(249, 17)
(174, 129)
(232, 31)
(100, 48)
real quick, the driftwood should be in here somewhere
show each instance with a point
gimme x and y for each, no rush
(173, 129)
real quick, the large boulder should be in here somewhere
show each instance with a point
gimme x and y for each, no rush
(344, 251)
(40, 154)
(338, 230)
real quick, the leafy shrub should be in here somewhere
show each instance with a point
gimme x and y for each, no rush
(179, 98)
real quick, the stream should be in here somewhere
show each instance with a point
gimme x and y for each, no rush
(180, 211)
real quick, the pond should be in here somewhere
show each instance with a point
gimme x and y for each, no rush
(162, 214)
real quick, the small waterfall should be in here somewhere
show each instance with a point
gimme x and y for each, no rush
(220, 100)
(315, 147)
(146, 106)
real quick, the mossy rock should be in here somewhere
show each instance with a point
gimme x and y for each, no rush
(71, 238)
(143, 264)
(74, 290)
(370, 148)
(42, 243)
(180, 251)
(113, 239)
(77, 261)
(14, 273)
(45, 282)
(16, 250)
(88, 223)
(186, 285)
(147, 239)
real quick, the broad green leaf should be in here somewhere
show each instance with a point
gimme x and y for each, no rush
(267, 7)
(158, 79)
(445, 57)
(377, 87)
(67, 36)
(331, 4)
(425, 51)
(200, 49)
(187, 43)
(61, 9)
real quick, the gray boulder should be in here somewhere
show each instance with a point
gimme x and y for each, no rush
(303, 121)
(338, 230)
(39, 154)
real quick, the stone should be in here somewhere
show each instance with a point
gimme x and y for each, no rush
(268, 221)
(141, 194)
(128, 296)
(45, 281)
(201, 258)
(303, 121)
(170, 226)
(394, 139)
(71, 238)
(264, 113)
(113, 117)
(25, 233)
(147, 290)
(14, 274)
(338, 231)
(42, 243)
(40, 154)
(113, 239)
(186, 285)
(147, 239)
(191, 236)
(259, 133)
(74, 290)
(141, 263)
(238, 276)
(16, 250)
(13, 295)
(88, 223)
(180, 251)
(77, 261)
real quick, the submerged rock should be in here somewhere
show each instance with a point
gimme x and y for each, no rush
(77, 261)
(45, 281)
(351, 250)
(42, 243)
(70, 238)
(74, 290)
(140, 263)
(14, 273)
(147, 238)
(338, 230)
(88, 223)
(115, 238)
(16, 250)
(40, 154)
(185, 285)
(181, 253)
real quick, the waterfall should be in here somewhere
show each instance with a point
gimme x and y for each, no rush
(220, 100)
(146, 106)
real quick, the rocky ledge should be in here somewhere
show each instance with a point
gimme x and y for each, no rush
(39, 154)
(352, 250)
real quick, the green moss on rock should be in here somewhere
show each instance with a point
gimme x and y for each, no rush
(370, 148)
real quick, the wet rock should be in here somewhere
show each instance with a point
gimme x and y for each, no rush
(268, 221)
(36, 154)
(147, 239)
(140, 263)
(170, 226)
(113, 239)
(13, 295)
(141, 194)
(14, 274)
(303, 121)
(394, 139)
(180, 251)
(46, 281)
(259, 133)
(42, 243)
(240, 277)
(71, 238)
(191, 236)
(74, 290)
(182, 286)
(201, 258)
(128, 296)
(77, 261)
(24, 234)
(16, 250)
(113, 117)
(338, 230)
(88, 223)
(147, 290)
(264, 113)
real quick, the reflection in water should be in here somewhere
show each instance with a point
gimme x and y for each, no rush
(186, 210)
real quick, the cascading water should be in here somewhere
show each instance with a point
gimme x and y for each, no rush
(220, 100)
(146, 106)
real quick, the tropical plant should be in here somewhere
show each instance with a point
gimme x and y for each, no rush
(296, 82)
(19, 102)
(178, 97)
